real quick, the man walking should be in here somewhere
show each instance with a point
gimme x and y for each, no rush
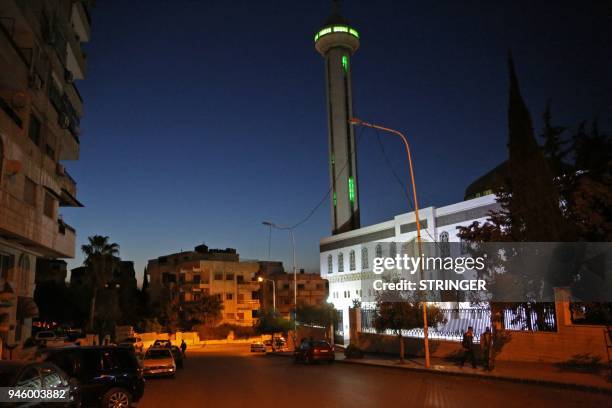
(486, 342)
(468, 347)
(183, 347)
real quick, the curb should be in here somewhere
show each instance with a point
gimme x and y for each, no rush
(535, 381)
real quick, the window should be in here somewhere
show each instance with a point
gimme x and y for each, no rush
(34, 130)
(50, 152)
(285, 286)
(6, 263)
(301, 286)
(240, 316)
(182, 278)
(379, 251)
(392, 250)
(229, 296)
(218, 276)
(330, 264)
(24, 273)
(365, 263)
(196, 297)
(196, 278)
(49, 207)
(352, 260)
(229, 316)
(29, 379)
(340, 262)
(444, 245)
(29, 192)
(229, 277)
(240, 278)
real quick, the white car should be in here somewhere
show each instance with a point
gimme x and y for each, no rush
(159, 362)
(47, 338)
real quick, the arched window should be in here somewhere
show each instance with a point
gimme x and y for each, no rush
(392, 250)
(352, 260)
(24, 273)
(330, 264)
(340, 262)
(379, 251)
(444, 245)
(365, 263)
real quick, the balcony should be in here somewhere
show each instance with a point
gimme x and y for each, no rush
(27, 226)
(81, 21)
(247, 304)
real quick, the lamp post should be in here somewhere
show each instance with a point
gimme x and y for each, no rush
(290, 229)
(261, 279)
(359, 122)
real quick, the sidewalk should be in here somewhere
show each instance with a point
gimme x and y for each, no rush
(529, 373)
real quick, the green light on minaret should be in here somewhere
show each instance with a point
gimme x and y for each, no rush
(351, 188)
(335, 201)
(345, 63)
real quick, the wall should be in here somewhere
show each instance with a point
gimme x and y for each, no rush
(569, 342)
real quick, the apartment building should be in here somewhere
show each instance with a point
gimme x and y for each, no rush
(40, 109)
(311, 290)
(189, 275)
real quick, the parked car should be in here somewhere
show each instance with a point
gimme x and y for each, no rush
(109, 376)
(133, 342)
(158, 361)
(48, 338)
(178, 356)
(313, 351)
(35, 375)
(258, 347)
(162, 343)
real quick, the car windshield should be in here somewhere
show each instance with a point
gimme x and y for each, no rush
(321, 344)
(158, 354)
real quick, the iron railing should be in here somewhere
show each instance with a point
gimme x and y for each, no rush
(458, 320)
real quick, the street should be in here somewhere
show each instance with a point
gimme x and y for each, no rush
(230, 376)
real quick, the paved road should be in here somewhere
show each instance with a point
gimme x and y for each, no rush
(230, 376)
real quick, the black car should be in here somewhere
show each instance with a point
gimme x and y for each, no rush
(109, 376)
(47, 376)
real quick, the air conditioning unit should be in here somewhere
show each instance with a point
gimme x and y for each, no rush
(64, 121)
(60, 170)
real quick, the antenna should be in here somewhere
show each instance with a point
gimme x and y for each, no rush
(336, 6)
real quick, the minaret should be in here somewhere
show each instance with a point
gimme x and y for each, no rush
(337, 41)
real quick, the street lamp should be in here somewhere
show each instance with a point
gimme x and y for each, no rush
(359, 122)
(261, 279)
(290, 229)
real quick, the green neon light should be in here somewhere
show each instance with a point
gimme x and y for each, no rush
(333, 159)
(336, 29)
(345, 63)
(335, 201)
(351, 186)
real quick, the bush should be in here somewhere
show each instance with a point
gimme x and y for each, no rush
(352, 351)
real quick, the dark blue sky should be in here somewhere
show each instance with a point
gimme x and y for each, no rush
(203, 118)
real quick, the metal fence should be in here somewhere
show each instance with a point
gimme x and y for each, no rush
(458, 320)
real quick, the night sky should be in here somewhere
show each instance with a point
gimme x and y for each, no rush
(204, 118)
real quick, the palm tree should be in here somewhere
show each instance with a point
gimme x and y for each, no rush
(100, 259)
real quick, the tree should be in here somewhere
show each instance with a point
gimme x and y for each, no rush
(100, 260)
(271, 321)
(321, 315)
(404, 314)
(206, 310)
(559, 191)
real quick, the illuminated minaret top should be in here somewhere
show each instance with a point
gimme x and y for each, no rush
(337, 41)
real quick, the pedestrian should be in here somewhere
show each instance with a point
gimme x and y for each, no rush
(183, 347)
(486, 343)
(468, 347)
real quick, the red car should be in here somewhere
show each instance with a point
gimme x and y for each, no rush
(313, 351)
